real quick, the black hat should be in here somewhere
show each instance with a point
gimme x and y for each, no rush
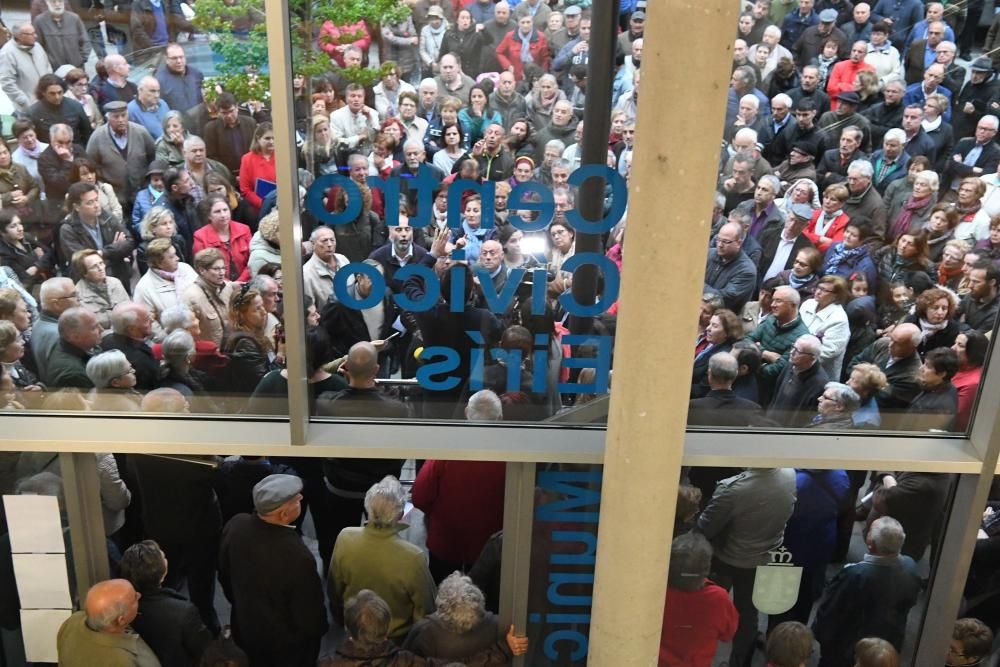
(982, 64)
(116, 105)
(849, 97)
(157, 167)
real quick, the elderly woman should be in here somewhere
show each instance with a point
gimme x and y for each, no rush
(971, 347)
(166, 280)
(257, 171)
(826, 319)
(836, 405)
(85, 170)
(460, 627)
(229, 237)
(251, 353)
(209, 296)
(368, 619)
(935, 315)
(158, 224)
(900, 189)
(867, 380)
(950, 271)
(827, 225)
(170, 144)
(114, 383)
(970, 202)
(78, 88)
(724, 328)
(31, 263)
(804, 274)
(207, 355)
(989, 248)
(563, 244)
(97, 291)
(177, 369)
(11, 353)
(802, 191)
(914, 213)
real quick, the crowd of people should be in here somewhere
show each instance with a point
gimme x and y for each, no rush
(852, 282)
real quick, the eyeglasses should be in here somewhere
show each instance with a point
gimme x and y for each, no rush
(719, 241)
(824, 289)
(797, 351)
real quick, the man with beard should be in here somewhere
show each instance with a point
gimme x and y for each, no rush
(809, 89)
(978, 309)
(803, 132)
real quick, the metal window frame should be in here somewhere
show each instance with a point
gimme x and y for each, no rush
(973, 456)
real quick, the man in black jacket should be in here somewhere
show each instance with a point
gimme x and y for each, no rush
(729, 271)
(132, 325)
(888, 113)
(936, 404)
(800, 385)
(973, 156)
(971, 102)
(270, 577)
(897, 357)
(978, 309)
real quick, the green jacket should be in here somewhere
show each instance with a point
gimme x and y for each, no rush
(380, 560)
(79, 646)
(778, 338)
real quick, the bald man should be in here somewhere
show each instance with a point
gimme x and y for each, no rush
(100, 634)
(347, 480)
(896, 355)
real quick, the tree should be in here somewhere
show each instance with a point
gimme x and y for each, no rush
(239, 36)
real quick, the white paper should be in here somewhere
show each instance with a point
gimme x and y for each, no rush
(39, 628)
(42, 581)
(34, 524)
(399, 326)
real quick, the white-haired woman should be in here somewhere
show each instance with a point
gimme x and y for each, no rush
(177, 368)
(914, 213)
(159, 224)
(114, 383)
(836, 406)
(460, 627)
(208, 358)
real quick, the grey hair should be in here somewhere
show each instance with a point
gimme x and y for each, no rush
(178, 316)
(896, 133)
(896, 83)
(413, 143)
(844, 396)
(690, 561)
(782, 97)
(125, 315)
(144, 81)
(384, 501)
(563, 190)
(555, 143)
(792, 294)
(153, 218)
(106, 366)
(811, 344)
(315, 233)
(562, 163)
(192, 140)
(714, 299)
(548, 77)
(366, 617)
(17, 27)
(178, 347)
(863, 166)
(855, 129)
(773, 180)
(751, 99)
(109, 615)
(460, 603)
(887, 535)
(172, 115)
(428, 83)
(723, 367)
(260, 282)
(931, 177)
(61, 129)
(720, 200)
(52, 287)
(747, 132)
(484, 406)
(72, 321)
(994, 121)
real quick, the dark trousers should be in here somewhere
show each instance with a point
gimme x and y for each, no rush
(740, 580)
(194, 562)
(441, 569)
(810, 590)
(341, 513)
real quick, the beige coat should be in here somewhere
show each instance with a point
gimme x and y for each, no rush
(212, 314)
(158, 294)
(96, 303)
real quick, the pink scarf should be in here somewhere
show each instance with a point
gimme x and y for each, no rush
(901, 224)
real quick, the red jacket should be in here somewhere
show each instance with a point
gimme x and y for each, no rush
(254, 166)
(236, 253)
(834, 232)
(509, 52)
(841, 79)
(463, 501)
(330, 38)
(694, 623)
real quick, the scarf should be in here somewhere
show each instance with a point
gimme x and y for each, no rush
(902, 222)
(931, 125)
(101, 289)
(968, 212)
(34, 153)
(526, 47)
(927, 327)
(843, 256)
(798, 283)
(825, 221)
(945, 274)
(177, 278)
